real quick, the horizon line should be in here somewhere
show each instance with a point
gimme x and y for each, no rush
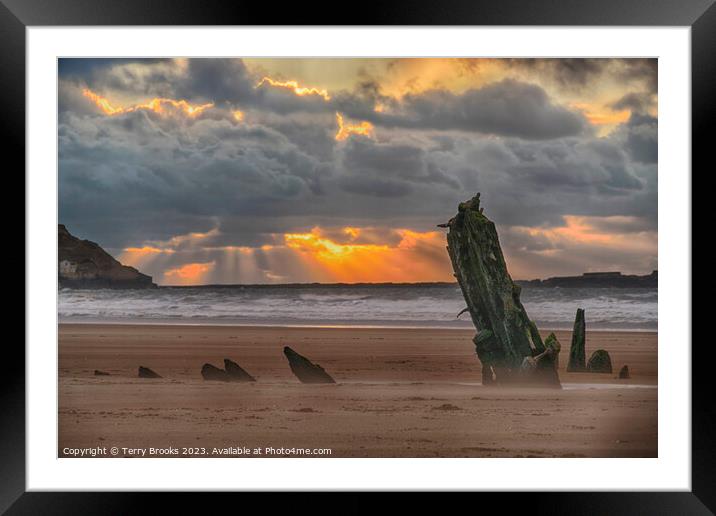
(378, 283)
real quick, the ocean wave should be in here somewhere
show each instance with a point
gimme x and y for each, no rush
(429, 305)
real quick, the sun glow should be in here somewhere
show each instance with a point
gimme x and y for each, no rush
(157, 105)
(605, 119)
(345, 130)
(295, 88)
(189, 274)
(587, 231)
(415, 257)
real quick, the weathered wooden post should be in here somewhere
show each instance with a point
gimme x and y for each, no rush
(576, 351)
(507, 341)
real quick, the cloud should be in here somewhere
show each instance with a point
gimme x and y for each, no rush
(188, 274)
(406, 162)
(568, 72)
(581, 244)
(636, 102)
(142, 181)
(505, 108)
(640, 138)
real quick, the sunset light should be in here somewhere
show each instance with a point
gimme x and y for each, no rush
(295, 88)
(345, 130)
(158, 105)
(587, 231)
(415, 234)
(189, 274)
(415, 257)
(606, 118)
(276, 170)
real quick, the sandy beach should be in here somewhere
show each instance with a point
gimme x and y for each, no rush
(399, 393)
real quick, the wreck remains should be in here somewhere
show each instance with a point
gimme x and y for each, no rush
(305, 370)
(507, 343)
(577, 357)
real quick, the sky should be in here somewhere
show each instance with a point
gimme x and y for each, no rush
(229, 171)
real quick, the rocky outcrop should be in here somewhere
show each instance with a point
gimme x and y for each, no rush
(305, 370)
(577, 354)
(145, 372)
(210, 372)
(506, 335)
(236, 373)
(624, 373)
(599, 362)
(84, 264)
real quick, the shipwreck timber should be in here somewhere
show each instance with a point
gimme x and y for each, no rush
(507, 343)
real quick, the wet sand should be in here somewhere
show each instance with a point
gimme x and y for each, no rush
(400, 393)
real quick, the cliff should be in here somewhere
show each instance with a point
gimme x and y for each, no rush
(84, 264)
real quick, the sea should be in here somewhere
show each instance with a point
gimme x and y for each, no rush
(433, 305)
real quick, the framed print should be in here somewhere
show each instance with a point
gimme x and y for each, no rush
(438, 249)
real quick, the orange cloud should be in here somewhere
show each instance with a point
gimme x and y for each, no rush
(351, 254)
(158, 105)
(141, 256)
(156, 252)
(147, 250)
(416, 257)
(606, 119)
(188, 238)
(102, 103)
(587, 231)
(345, 254)
(189, 274)
(582, 244)
(295, 88)
(345, 130)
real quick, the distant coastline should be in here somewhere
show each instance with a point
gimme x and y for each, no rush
(596, 280)
(586, 280)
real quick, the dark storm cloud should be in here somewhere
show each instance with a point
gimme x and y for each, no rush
(375, 186)
(575, 74)
(640, 134)
(572, 73)
(145, 177)
(148, 77)
(507, 108)
(640, 70)
(83, 67)
(535, 183)
(312, 137)
(217, 80)
(410, 163)
(573, 166)
(140, 162)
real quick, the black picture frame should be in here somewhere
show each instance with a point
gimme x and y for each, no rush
(700, 15)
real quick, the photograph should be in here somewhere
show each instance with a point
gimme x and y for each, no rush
(357, 257)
